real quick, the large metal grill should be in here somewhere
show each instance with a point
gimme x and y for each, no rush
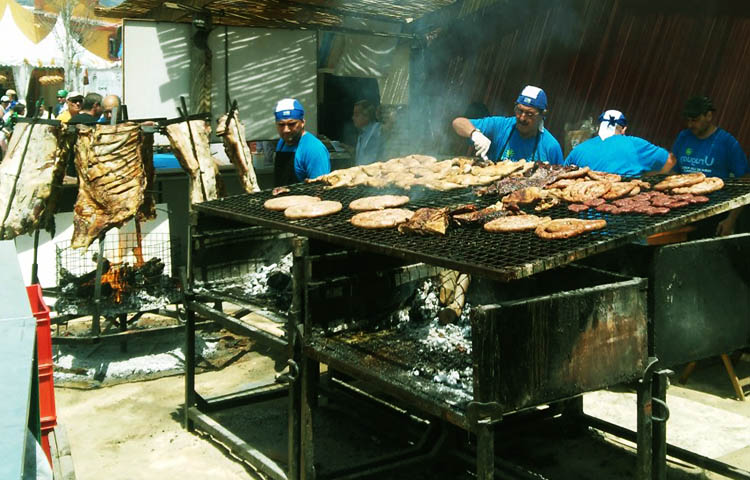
(502, 256)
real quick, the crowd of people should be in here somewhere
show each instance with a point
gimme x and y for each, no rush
(71, 107)
(701, 147)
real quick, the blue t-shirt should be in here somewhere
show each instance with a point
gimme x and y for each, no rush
(719, 155)
(311, 157)
(621, 154)
(502, 132)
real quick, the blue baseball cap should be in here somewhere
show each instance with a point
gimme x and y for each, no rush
(533, 97)
(289, 108)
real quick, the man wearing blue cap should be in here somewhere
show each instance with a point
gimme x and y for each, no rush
(522, 136)
(299, 154)
(614, 152)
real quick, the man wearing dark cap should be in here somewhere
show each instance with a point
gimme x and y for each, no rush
(91, 109)
(514, 138)
(614, 152)
(299, 154)
(704, 147)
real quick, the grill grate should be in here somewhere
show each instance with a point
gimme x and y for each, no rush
(504, 257)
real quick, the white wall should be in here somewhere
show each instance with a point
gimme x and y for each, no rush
(264, 66)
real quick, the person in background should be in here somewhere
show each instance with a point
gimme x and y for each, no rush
(611, 150)
(91, 109)
(514, 138)
(13, 97)
(4, 106)
(9, 122)
(73, 101)
(60, 106)
(299, 154)
(369, 146)
(108, 104)
(705, 147)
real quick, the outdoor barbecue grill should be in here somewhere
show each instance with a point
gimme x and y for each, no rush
(503, 257)
(553, 334)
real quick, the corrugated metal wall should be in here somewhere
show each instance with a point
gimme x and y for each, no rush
(590, 55)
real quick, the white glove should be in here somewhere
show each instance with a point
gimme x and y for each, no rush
(481, 144)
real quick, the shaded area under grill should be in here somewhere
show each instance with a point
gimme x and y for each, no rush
(503, 257)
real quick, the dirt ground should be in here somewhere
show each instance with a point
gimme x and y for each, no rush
(133, 430)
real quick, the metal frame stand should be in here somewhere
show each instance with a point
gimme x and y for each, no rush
(197, 407)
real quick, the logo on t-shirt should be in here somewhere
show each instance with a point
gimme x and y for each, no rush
(509, 153)
(688, 151)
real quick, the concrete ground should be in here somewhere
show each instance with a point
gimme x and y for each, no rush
(133, 430)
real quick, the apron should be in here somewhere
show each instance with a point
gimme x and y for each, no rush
(283, 169)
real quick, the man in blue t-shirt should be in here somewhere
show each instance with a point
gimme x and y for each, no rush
(704, 147)
(299, 154)
(614, 152)
(514, 138)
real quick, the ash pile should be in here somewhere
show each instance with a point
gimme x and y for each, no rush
(417, 336)
(270, 285)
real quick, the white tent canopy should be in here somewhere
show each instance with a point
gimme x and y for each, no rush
(23, 55)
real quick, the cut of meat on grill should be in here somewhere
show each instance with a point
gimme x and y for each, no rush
(427, 221)
(708, 185)
(189, 141)
(578, 207)
(677, 181)
(378, 202)
(604, 176)
(313, 210)
(282, 203)
(148, 207)
(30, 174)
(517, 223)
(387, 218)
(541, 175)
(280, 190)
(237, 150)
(619, 189)
(484, 215)
(568, 227)
(580, 192)
(524, 196)
(111, 179)
(594, 202)
(574, 173)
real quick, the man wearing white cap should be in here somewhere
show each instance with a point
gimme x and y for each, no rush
(299, 154)
(4, 105)
(614, 152)
(74, 101)
(522, 136)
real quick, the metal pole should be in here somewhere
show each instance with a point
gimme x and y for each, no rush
(95, 326)
(644, 432)
(35, 265)
(189, 352)
(660, 415)
(300, 462)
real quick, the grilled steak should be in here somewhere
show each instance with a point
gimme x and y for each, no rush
(30, 174)
(112, 179)
(426, 221)
(236, 147)
(189, 142)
